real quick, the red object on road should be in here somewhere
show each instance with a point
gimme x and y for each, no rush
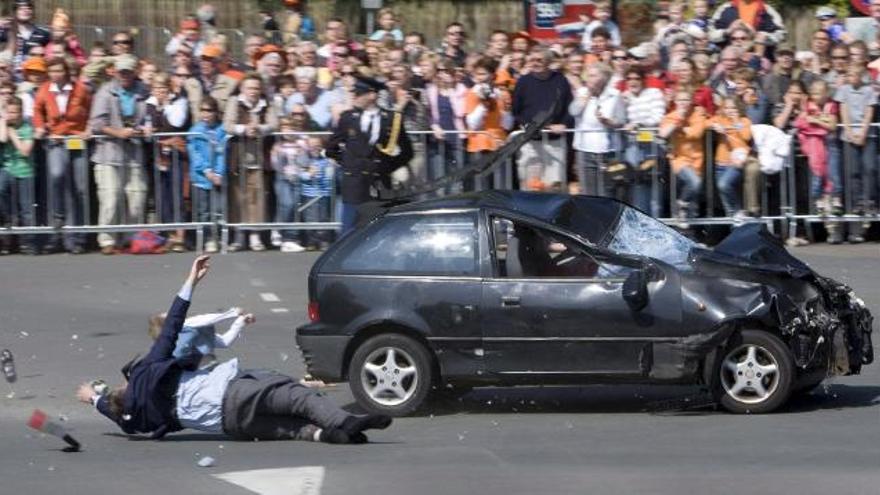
(41, 422)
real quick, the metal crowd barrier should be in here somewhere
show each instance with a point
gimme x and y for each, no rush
(168, 204)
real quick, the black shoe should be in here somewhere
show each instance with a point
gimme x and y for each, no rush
(8, 365)
(359, 438)
(333, 435)
(357, 424)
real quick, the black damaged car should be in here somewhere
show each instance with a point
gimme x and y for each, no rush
(510, 288)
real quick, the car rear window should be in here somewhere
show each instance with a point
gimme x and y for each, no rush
(443, 244)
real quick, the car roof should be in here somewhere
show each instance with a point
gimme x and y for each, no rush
(591, 217)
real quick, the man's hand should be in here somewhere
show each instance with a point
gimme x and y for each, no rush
(84, 393)
(199, 269)
(39, 133)
(249, 318)
(556, 128)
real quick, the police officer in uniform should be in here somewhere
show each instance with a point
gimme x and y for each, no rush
(369, 143)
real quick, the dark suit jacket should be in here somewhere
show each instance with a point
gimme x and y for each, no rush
(362, 163)
(149, 401)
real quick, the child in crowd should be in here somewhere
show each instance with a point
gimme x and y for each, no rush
(317, 181)
(17, 175)
(700, 17)
(289, 158)
(684, 129)
(857, 101)
(199, 334)
(388, 26)
(827, 17)
(286, 88)
(601, 18)
(734, 131)
(207, 154)
(815, 124)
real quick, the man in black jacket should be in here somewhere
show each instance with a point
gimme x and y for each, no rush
(369, 143)
(541, 162)
(165, 394)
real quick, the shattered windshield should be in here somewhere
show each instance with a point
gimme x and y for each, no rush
(640, 234)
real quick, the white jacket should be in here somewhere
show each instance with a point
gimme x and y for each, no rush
(773, 145)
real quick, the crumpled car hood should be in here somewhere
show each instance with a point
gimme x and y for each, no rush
(752, 246)
(836, 320)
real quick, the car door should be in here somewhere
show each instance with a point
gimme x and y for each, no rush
(554, 306)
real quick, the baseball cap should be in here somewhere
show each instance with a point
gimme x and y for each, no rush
(125, 62)
(825, 12)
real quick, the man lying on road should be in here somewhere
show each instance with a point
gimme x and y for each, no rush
(165, 394)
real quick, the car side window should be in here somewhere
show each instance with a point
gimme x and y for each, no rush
(414, 245)
(525, 251)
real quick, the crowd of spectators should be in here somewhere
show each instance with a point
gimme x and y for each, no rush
(709, 103)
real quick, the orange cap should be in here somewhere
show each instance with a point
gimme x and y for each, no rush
(212, 51)
(36, 64)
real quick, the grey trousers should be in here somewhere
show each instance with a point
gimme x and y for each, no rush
(266, 405)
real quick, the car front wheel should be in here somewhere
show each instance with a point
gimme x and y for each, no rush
(390, 374)
(756, 373)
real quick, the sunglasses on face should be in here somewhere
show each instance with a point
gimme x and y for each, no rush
(121, 42)
(618, 57)
(740, 38)
(455, 33)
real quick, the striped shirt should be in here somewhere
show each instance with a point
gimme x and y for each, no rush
(317, 178)
(645, 109)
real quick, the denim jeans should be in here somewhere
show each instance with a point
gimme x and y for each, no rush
(169, 194)
(642, 193)
(444, 157)
(690, 189)
(319, 211)
(862, 161)
(17, 202)
(591, 173)
(207, 206)
(349, 217)
(835, 160)
(729, 182)
(287, 195)
(68, 189)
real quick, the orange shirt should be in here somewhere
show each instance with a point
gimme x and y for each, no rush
(732, 139)
(687, 143)
(749, 12)
(491, 134)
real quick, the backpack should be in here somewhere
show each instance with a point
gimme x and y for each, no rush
(146, 242)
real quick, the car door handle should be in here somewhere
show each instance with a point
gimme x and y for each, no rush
(510, 301)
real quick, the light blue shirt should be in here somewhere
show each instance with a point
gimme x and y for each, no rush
(319, 110)
(200, 396)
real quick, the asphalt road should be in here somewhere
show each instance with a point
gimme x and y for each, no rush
(70, 319)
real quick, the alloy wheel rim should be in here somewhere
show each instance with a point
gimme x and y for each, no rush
(750, 374)
(389, 376)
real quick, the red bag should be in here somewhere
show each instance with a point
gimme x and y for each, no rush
(147, 242)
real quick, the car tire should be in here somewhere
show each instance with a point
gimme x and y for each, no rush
(755, 373)
(394, 358)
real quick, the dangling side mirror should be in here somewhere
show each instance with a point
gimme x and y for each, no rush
(635, 289)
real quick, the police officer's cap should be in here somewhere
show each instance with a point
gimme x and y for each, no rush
(367, 84)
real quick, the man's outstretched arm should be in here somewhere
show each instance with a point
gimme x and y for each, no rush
(164, 345)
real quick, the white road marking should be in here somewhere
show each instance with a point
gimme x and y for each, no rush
(280, 310)
(306, 480)
(256, 282)
(269, 297)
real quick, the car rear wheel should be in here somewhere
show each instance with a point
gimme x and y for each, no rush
(390, 374)
(756, 373)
